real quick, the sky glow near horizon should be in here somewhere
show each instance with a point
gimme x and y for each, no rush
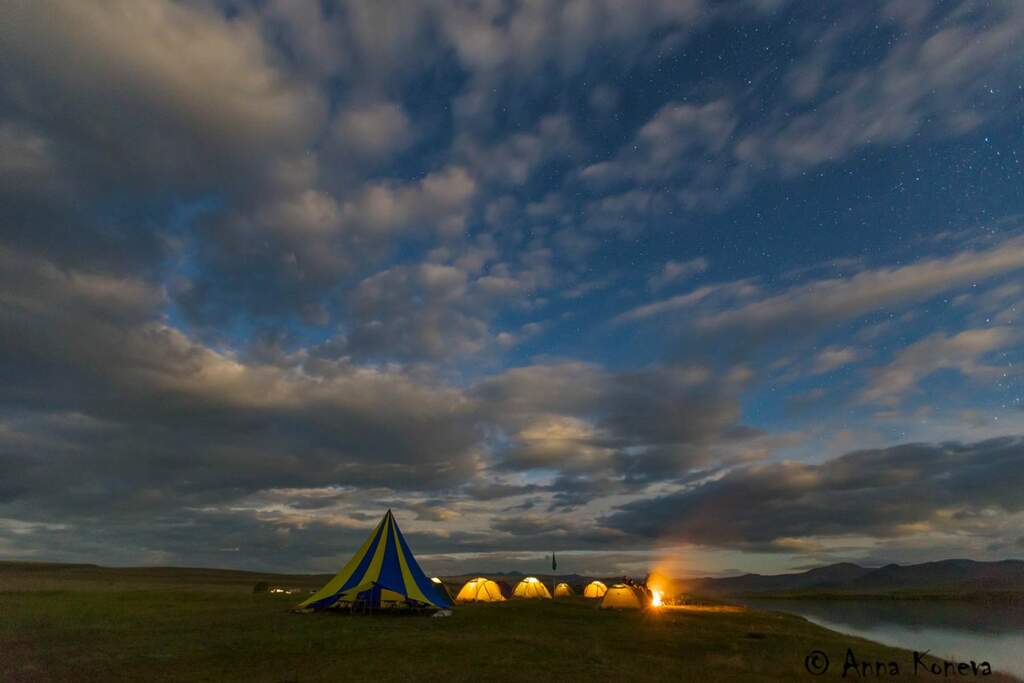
(708, 286)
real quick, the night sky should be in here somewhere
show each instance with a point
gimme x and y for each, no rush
(712, 286)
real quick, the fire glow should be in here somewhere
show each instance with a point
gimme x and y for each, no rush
(658, 582)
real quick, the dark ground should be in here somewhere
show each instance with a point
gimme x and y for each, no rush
(60, 623)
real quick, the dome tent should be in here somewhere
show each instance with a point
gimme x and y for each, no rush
(621, 596)
(563, 590)
(382, 573)
(531, 587)
(480, 590)
(595, 589)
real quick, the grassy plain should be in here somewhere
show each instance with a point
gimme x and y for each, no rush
(60, 623)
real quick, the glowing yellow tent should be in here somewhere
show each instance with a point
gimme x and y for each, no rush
(621, 596)
(480, 590)
(531, 587)
(563, 590)
(595, 589)
(382, 573)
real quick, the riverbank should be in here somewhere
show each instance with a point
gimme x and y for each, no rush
(994, 597)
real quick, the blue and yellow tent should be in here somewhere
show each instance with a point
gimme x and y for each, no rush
(382, 573)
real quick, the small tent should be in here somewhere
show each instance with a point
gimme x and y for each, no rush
(563, 590)
(531, 587)
(382, 573)
(595, 589)
(621, 596)
(480, 590)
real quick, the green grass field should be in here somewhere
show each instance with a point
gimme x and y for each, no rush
(92, 624)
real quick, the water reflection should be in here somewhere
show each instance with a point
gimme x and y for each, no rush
(961, 630)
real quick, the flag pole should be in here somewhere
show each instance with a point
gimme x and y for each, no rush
(554, 568)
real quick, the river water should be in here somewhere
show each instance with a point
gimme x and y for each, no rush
(950, 629)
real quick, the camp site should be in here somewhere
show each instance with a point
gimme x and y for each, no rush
(381, 617)
(511, 340)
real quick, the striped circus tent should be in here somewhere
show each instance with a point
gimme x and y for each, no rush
(382, 573)
(442, 586)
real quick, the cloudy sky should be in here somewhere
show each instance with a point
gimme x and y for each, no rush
(719, 285)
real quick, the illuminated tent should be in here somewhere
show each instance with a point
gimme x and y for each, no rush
(480, 590)
(595, 589)
(621, 596)
(531, 587)
(382, 573)
(563, 590)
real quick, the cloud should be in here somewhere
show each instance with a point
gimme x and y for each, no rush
(902, 491)
(278, 255)
(678, 128)
(512, 160)
(739, 289)
(439, 201)
(433, 510)
(508, 44)
(267, 268)
(97, 347)
(673, 149)
(416, 312)
(675, 271)
(634, 427)
(833, 357)
(962, 352)
(27, 161)
(939, 78)
(153, 110)
(373, 131)
(447, 307)
(558, 442)
(931, 78)
(210, 109)
(808, 307)
(121, 417)
(287, 252)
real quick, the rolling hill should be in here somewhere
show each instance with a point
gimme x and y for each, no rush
(944, 577)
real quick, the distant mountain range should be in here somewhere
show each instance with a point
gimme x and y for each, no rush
(933, 578)
(946, 578)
